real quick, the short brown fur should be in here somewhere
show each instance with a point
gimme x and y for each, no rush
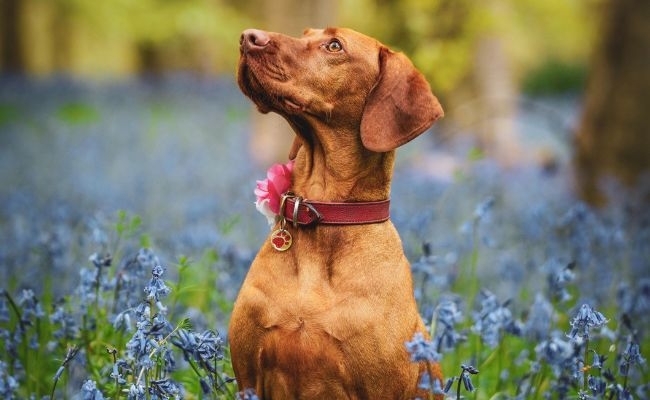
(328, 319)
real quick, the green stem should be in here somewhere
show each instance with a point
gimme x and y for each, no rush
(116, 395)
(500, 350)
(19, 317)
(584, 367)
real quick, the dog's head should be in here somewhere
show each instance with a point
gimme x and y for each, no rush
(339, 78)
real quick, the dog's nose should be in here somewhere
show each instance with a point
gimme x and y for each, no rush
(253, 39)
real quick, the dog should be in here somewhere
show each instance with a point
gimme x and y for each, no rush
(329, 317)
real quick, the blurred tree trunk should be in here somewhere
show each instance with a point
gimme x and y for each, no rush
(614, 135)
(496, 97)
(62, 36)
(10, 27)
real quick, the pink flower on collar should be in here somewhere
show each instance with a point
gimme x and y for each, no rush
(270, 190)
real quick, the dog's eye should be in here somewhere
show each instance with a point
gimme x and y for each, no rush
(333, 46)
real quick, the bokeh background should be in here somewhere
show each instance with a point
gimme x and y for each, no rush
(122, 127)
(132, 105)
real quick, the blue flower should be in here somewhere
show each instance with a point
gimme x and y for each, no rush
(559, 276)
(248, 394)
(631, 356)
(586, 319)
(482, 208)
(204, 347)
(165, 389)
(8, 383)
(540, 317)
(29, 305)
(89, 391)
(557, 352)
(136, 392)
(157, 288)
(492, 319)
(447, 316)
(4, 309)
(422, 349)
(68, 328)
(597, 385)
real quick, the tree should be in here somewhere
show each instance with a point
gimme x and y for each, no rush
(10, 47)
(614, 134)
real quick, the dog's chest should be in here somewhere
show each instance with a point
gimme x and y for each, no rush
(314, 302)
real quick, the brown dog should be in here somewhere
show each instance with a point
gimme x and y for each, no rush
(329, 317)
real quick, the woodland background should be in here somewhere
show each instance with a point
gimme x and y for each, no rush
(478, 55)
(124, 137)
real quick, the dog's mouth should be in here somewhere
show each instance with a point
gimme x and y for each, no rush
(265, 84)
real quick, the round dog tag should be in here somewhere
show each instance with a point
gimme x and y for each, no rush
(281, 239)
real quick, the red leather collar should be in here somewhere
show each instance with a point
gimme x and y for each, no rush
(306, 212)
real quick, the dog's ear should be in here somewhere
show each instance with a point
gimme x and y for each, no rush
(399, 107)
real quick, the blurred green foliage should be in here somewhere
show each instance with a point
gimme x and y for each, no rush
(555, 77)
(78, 113)
(441, 36)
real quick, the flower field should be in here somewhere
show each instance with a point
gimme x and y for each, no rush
(128, 221)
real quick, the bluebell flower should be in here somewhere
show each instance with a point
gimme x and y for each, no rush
(492, 319)
(203, 348)
(248, 394)
(597, 385)
(620, 393)
(86, 294)
(465, 376)
(422, 349)
(101, 260)
(467, 382)
(540, 318)
(448, 384)
(68, 328)
(89, 391)
(143, 312)
(140, 344)
(30, 305)
(210, 346)
(559, 275)
(160, 327)
(205, 386)
(4, 308)
(8, 384)
(642, 297)
(598, 361)
(424, 382)
(165, 389)
(136, 392)
(156, 289)
(586, 319)
(447, 317)
(630, 357)
(482, 208)
(557, 352)
(625, 298)
(131, 278)
(120, 366)
(122, 321)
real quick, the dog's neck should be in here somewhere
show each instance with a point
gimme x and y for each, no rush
(333, 165)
